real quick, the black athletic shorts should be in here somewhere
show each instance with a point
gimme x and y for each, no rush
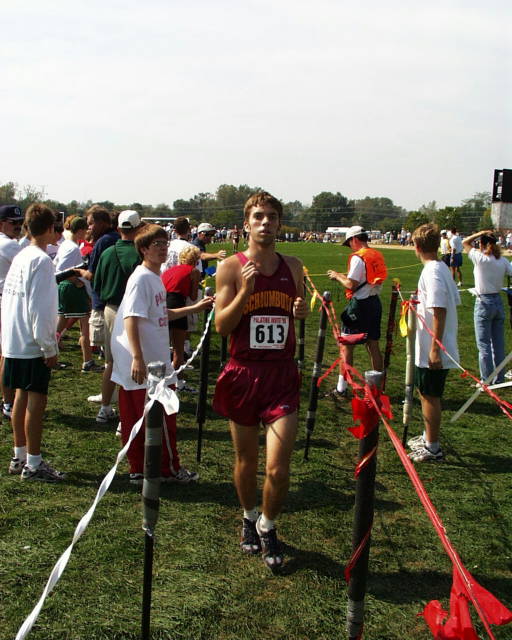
(177, 301)
(29, 374)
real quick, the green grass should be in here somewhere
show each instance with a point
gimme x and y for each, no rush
(203, 586)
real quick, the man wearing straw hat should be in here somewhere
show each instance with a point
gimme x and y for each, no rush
(366, 271)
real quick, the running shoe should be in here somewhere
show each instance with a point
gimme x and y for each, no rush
(249, 540)
(16, 466)
(43, 473)
(186, 388)
(7, 409)
(92, 367)
(105, 416)
(184, 476)
(271, 550)
(418, 442)
(426, 455)
(137, 478)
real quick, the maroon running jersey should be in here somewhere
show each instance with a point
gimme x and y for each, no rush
(266, 330)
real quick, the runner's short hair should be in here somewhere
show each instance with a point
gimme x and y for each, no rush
(263, 198)
(181, 225)
(148, 234)
(39, 219)
(427, 238)
(189, 255)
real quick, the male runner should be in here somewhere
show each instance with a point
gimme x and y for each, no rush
(259, 293)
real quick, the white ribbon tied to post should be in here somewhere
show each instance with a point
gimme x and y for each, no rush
(158, 389)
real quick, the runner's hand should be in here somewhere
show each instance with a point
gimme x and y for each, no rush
(300, 308)
(249, 273)
(221, 254)
(138, 370)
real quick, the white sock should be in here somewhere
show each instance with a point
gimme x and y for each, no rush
(34, 461)
(342, 384)
(433, 446)
(20, 453)
(107, 408)
(186, 345)
(264, 524)
(252, 515)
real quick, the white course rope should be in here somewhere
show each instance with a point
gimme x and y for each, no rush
(198, 348)
(158, 389)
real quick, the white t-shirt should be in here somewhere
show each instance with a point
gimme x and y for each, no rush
(358, 272)
(445, 246)
(436, 288)
(144, 298)
(8, 249)
(29, 306)
(456, 243)
(488, 271)
(173, 253)
(68, 255)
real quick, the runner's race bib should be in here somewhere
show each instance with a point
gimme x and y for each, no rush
(268, 332)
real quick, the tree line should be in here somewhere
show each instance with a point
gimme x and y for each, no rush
(224, 208)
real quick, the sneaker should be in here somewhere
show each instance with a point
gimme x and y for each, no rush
(424, 454)
(105, 416)
(16, 466)
(189, 367)
(137, 478)
(338, 396)
(271, 550)
(92, 367)
(459, 284)
(118, 431)
(98, 398)
(418, 442)
(186, 388)
(184, 476)
(249, 540)
(7, 409)
(43, 473)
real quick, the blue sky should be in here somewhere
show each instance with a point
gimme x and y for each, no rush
(155, 101)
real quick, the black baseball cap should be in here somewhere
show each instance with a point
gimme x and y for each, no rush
(11, 212)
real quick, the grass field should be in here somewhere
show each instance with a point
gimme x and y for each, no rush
(204, 588)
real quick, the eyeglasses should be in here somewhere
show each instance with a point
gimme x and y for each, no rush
(159, 243)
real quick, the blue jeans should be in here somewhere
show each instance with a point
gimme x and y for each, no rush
(490, 335)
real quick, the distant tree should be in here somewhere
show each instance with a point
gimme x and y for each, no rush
(291, 210)
(136, 206)
(107, 204)
(162, 211)
(29, 194)
(389, 224)
(8, 193)
(369, 211)
(486, 221)
(415, 219)
(448, 218)
(329, 210)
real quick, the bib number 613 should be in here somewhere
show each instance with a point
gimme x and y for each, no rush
(269, 332)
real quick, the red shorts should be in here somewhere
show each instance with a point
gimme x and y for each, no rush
(255, 392)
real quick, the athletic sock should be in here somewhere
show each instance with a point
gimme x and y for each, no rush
(264, 524)
(433, 446)
(342, 384)
(252, 515)
(107, 408)
(34, 461)
(20, 453)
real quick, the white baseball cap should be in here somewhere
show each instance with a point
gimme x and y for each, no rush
(128, 219)
(205, 227)
(356, 230)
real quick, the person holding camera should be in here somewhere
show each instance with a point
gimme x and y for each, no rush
(489, 316)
